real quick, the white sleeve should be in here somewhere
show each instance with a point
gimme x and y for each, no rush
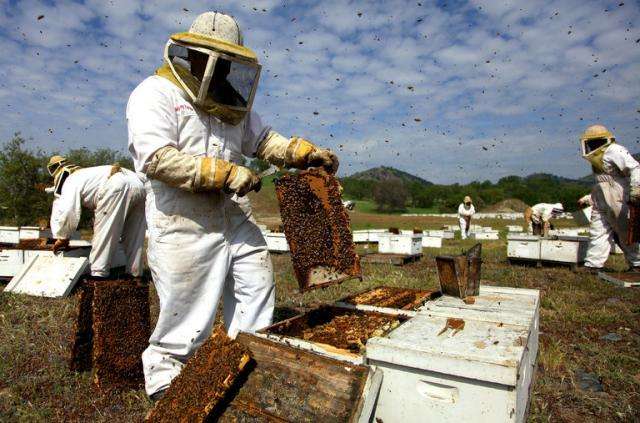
(255, 131)
(66, 211)
(547, 212)
(464, 212)
(152, 123)
(625, 162)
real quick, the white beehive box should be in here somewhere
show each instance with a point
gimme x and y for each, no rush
(564, 249)
(445, 234)
(478, 374)
(514, 228)
(485, 235)
(410, 244)
(361, 236)
(9, 235)
(497, 304)
(431, 241)
(11, 261)
(523, 246)
(277, 242)
(34, 232)
(374, 234)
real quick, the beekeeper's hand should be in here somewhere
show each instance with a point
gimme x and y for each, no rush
(242, 180)
(296, 152)
(634, 195)
(322, 157)
(60, 245)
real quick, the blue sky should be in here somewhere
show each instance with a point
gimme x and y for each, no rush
(451, 91)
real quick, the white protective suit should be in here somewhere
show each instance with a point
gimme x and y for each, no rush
(543, 212)
(610, 213)
(201, 245)
(118, 204)
(464, 211)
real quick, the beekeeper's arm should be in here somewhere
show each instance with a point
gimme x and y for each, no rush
(295, 152)
(153, 142)
(585, 201)
(629, 166)
(462, 211)
(65, 214)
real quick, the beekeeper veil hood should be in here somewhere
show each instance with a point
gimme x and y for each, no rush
(210, 63)
(557, 209)
(594, 141)
(60, 169)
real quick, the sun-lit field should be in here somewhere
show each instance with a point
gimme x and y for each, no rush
(577, 311)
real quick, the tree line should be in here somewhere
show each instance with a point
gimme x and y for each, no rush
(395, 194)
(23, 176)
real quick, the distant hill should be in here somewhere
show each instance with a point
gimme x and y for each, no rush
(383, 173)
(587, 180)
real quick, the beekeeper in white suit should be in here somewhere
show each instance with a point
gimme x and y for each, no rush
(189, 127)
(538, 217)
(116, 196)
(617, 176)
(465, 212)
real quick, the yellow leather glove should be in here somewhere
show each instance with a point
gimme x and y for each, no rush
(241, 181)
(296, 152)
(200, 174)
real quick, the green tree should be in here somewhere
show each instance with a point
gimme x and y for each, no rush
(22, 179)
(390, 195)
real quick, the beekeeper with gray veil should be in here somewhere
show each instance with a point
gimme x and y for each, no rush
(617, 177)
(190, 127)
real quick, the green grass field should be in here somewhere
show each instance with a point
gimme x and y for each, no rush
(576, 311)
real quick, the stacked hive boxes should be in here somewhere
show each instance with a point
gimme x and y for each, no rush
(450, 359)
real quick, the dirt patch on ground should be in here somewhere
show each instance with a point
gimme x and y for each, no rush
(317, 229)
(203, 382)
(341, 328)
(392, 297)
(510, 205)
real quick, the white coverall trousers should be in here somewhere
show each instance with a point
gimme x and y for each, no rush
(610, 215)
(119, 218)
(464, 228)
(202, 247)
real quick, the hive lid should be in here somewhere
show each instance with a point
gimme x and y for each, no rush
(485, 351)
(494, 304)
(522, 237)
(48, 276)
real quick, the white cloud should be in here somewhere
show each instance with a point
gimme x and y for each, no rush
(515, 77)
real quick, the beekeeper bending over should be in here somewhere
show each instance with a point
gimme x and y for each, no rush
(190, 127)
(617, 176)
(465, 212)
(115, 195)
(538, 218)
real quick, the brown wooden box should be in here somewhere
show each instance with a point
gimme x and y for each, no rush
(459, 276)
